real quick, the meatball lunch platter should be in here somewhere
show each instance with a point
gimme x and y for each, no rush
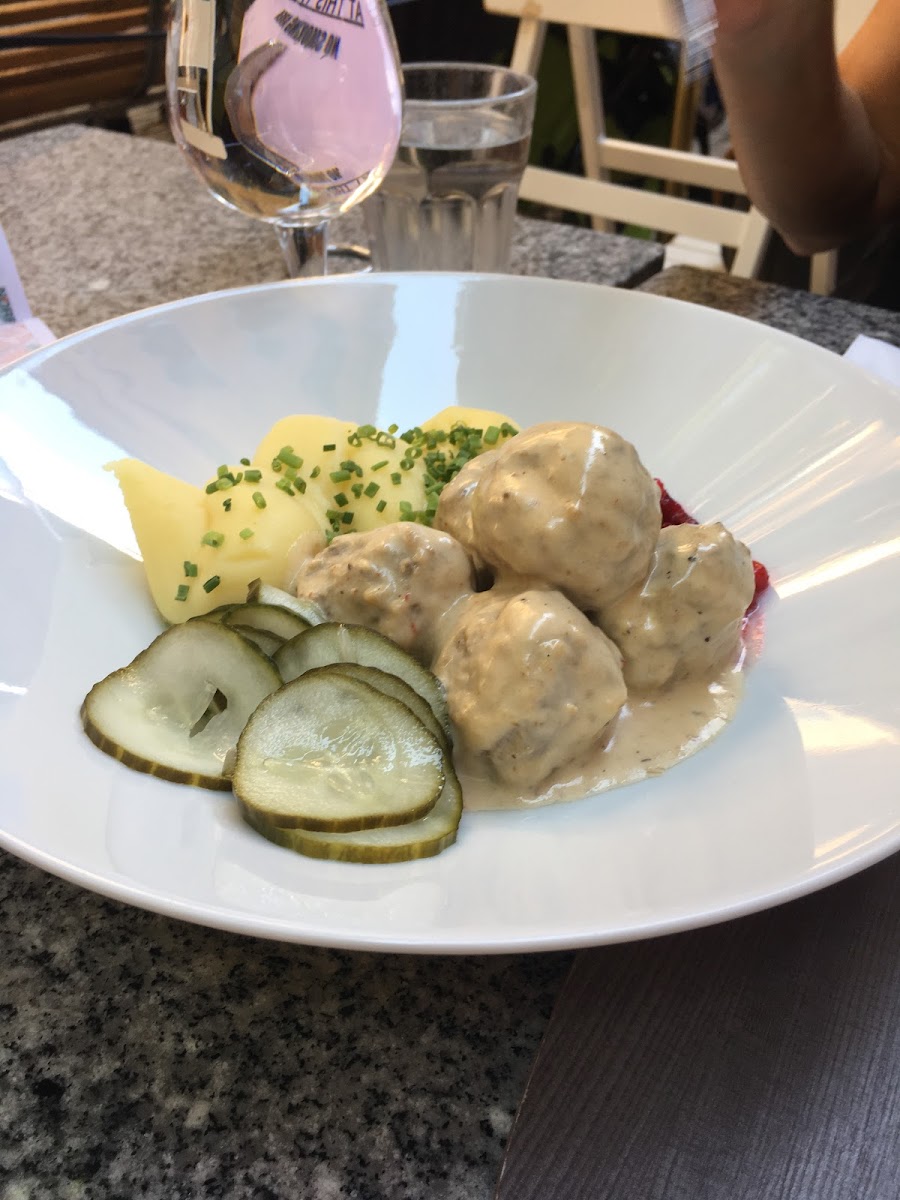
(447, 613)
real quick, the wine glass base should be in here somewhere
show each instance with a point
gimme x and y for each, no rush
(349, 258)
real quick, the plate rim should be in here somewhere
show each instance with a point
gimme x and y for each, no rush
(376, 278)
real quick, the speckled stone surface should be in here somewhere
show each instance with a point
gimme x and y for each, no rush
(142, 1057)
(827, 322)
(101, 224)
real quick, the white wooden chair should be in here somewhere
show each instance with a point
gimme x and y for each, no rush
(745, 231)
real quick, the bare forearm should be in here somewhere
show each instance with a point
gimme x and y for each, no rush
(806, 147)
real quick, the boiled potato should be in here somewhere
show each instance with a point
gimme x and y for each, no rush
(474, 418)
(169, 519)
(308, 435)
(270, 535)
(175, 524)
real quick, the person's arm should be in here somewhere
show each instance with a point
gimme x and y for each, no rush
(819, 148)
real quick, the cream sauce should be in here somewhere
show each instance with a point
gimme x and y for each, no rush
(651, 733)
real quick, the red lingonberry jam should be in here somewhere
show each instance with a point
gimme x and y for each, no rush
(672, 512)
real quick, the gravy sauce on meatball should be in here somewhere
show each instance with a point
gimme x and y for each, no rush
(606, 649)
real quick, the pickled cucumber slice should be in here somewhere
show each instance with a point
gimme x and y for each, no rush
(393, 685)
(266, 593)
(333, 642)
(179, 708)
(215, 614)
(269, 617)
(269, 643)
(330, 753)
(399, 843)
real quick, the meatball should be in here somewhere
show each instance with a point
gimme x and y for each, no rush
(454, 510)
(400, 579)
(531, 683)
(571, 504)
(684, 621)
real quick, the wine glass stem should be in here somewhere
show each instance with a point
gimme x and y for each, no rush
(304, 248)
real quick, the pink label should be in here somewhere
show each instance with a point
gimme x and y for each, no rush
(20, 339)
(330, 104)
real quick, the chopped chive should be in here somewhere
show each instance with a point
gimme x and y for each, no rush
(405, 506)
(339, 476)
(246, 533)
(330, 446)
(284, 486)
(315, 472)
(340, 500)
(223, 470)
(237, 478)
(182, 591)
(213, 487)
(356, 489)
(223, 483)
(377, 466)
(212, 538)
(387, 439)
(245, 462)
(396, 477)
(277, 464)
(259, 500)
(491, 434)
(211, 584)
(287, 455)
(367, 431)
(253, 476)
(300, 485)
(381, 506)
(347, 518)
(371, 489)
(393, 428)
(190, 569)
(226, 504)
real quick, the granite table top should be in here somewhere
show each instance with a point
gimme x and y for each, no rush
(144, 1057)
(159, 236)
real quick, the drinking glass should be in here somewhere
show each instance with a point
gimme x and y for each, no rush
(449, 200)
(290, 110)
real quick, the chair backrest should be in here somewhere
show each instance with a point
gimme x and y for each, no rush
(648, 18)
(71, 55)
(747, 232)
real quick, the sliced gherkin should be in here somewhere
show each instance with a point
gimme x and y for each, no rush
(393, 685)
(399, 843)
(334, 642)
(179, 708)
(330, 753)
(269, 617)
(269, 643)
(266, 593)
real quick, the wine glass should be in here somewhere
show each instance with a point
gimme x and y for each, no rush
(290, 110)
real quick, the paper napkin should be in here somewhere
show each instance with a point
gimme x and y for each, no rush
(877, 357)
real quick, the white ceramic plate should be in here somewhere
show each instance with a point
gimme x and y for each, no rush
(794, 449)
